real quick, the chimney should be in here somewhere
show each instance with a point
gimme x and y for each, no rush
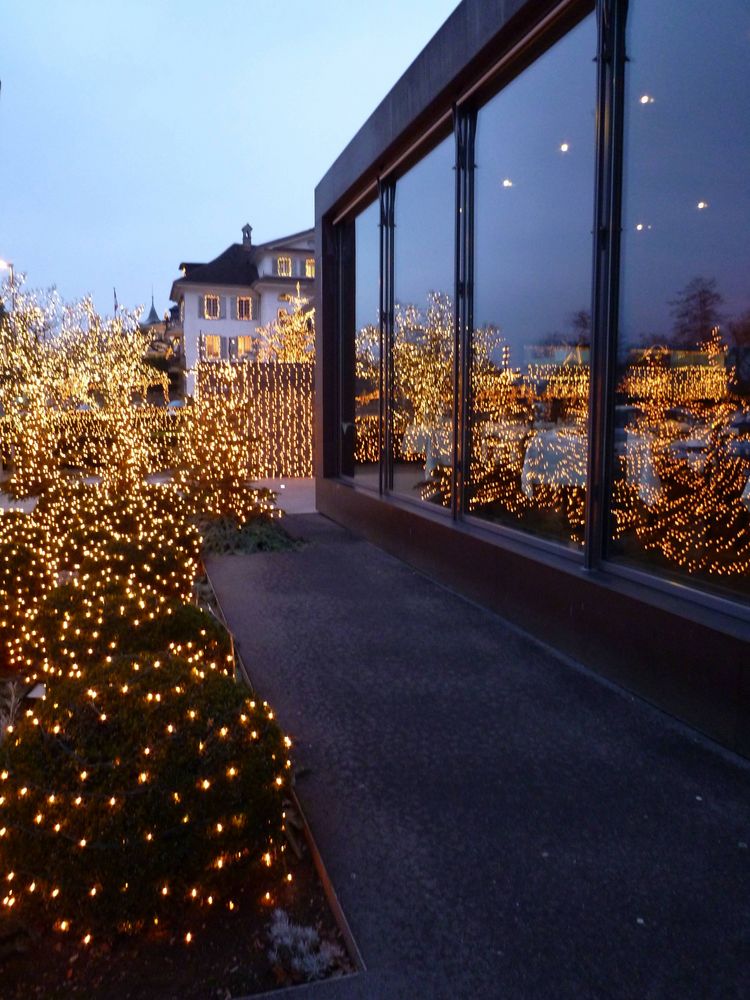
(247, 235)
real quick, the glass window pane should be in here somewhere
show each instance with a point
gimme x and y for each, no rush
(532, 294)
(360, 354)
(423, 335)
(681, 502)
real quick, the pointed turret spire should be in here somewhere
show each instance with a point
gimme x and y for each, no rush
(153, 316)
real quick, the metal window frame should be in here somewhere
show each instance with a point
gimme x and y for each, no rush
(387, 202)
(611, 23)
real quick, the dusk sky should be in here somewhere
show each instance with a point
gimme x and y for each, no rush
(137, 135)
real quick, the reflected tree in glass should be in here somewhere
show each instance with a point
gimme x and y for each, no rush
(423, 393)
(530, 351)
(423, 333)
(681, 492)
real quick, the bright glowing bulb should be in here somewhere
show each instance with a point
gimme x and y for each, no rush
(564, 147)
(647, 99)
(702, 205)
(507, 183)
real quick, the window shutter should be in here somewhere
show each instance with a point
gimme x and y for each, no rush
(256, 309)
(201, 307)
(222, 307)
(233, 307)
(224, 353)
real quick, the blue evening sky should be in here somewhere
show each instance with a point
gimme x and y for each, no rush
(136, 135)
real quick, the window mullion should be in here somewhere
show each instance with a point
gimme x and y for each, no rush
(607, 225)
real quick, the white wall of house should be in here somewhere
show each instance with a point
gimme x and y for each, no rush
(267, 294)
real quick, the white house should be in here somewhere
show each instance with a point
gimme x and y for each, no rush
(221, 304)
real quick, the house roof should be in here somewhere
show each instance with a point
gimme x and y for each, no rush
(284, 242)
(236, 265)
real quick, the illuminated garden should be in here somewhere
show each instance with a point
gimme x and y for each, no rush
(147, 787)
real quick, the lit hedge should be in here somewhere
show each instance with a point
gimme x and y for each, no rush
(138, 795)
(73, 625)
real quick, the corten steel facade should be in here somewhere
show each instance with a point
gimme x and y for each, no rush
(533, 377)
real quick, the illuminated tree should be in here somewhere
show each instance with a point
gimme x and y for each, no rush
(64, 363)
(291, 336)
(215, 456)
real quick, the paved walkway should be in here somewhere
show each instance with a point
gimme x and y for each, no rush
(497, 823)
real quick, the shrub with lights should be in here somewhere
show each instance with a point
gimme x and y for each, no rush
(136, 795)
(148, 782)
(70, 628)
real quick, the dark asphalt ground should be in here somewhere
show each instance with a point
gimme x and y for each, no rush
(497, 822)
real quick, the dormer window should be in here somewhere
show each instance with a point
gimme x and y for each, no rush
(310, 267)
(244, 307)
(284, 267)
(211, 308)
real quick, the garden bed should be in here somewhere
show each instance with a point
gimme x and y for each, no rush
(228, 957)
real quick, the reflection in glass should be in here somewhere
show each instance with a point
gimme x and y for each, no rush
(681, 501)
(367, 348)
(423, 334)
(532, 327)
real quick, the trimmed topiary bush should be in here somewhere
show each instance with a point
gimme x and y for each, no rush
(73, 626)
(135, 795)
